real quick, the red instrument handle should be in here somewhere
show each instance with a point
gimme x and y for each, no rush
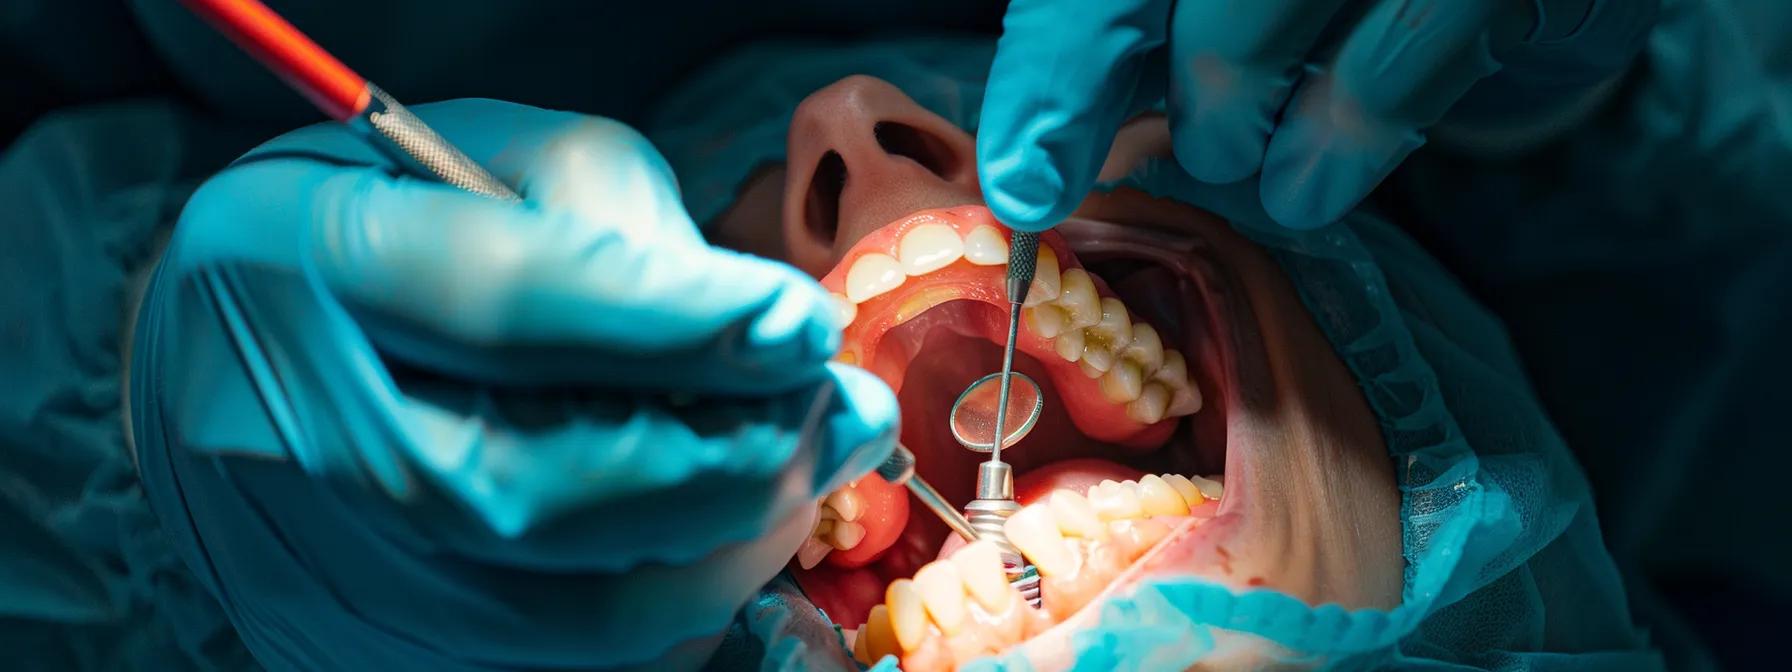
(329, 84)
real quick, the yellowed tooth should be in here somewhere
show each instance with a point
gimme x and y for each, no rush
(1089, 369)
(845, 308)
(1210, 488)
(1146, 348)
(1098, 357)
(858, 648)
(1185, 398)
(1047, 321)
(1046, 280)
(1078, 298)
(1069, 345)
(1034, 532)
(1116, 501)
(828, 512)
(811, 552)
(1076, 515)
(849, 503)
(1149, 407)
(871, 275)
(846, 535)
(1114, 331)
(1159, 499)
(929, 247)
(985, 246)
(1123, 383)
(979, 563)
(942, 590)
(908, 616)
(1190, 493)
(879, 635)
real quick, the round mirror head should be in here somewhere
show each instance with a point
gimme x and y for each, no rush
(974, 413)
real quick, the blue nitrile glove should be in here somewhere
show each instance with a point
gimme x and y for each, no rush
(1323, 98)
(398, 426)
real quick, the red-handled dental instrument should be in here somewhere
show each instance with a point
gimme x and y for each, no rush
(344, 95)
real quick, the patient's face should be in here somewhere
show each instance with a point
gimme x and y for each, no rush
(1196, 423)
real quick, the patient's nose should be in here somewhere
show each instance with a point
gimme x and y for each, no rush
(862, 154)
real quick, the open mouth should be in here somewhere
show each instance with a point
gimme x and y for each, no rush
(1137, 341)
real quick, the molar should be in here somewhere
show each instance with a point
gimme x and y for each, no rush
(1070, 345)
(1123, 383)
(1076, 516)
(1078, 298)
(1116, 501)
(871, 275)
(1185, 398)
(1034, 532)
(908, 617)
(929, 247)
(1149, 408)
(980, 565)
(1145, 348)
(1189, 491)
(1160, 499)
(942, 590)
(845, 535)
(848, 503)
(985, 246)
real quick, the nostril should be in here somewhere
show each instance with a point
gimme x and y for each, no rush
(924, 148)
(821, 209)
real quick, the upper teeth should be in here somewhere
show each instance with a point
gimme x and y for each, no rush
(1098, 333)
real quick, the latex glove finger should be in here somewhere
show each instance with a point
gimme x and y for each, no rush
(1045, 131)
(526, 474)
(1232, 68)
(1350, 123)
(502, 293)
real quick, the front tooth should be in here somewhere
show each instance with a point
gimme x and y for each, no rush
(880, 638)
(871, 275)
(929, 247)
(1149, 407)
(1210, 488)
(980, 565)
(846, 535)
(1116, 501)
(1034, 532)
(942, 590)
(1159, 499)
(985, 246)
(1146, 348)
(850, 504)
(1123, 383)
(1189, 491)
(1046, 281)
(1078, 298)
(811, 552)
(845, 308)
(1069, 344)
(1076, 516)
(1047, 321)
(908, 617)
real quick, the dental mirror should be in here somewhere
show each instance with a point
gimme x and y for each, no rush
(974, 414)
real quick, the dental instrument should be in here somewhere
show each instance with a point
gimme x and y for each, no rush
(899, 469)
(345, 96)
(973, 416)
(989, 512)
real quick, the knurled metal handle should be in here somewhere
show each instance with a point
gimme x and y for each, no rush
(417, 146)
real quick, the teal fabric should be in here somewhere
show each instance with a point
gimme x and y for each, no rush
(1506, 567)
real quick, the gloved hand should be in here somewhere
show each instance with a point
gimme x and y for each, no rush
(1323, 98)
(398, 426)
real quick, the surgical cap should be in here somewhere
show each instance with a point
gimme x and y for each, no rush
(1505, 567)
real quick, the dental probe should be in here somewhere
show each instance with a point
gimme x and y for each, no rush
(899, 469)
(995, 479)
(345, 96)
